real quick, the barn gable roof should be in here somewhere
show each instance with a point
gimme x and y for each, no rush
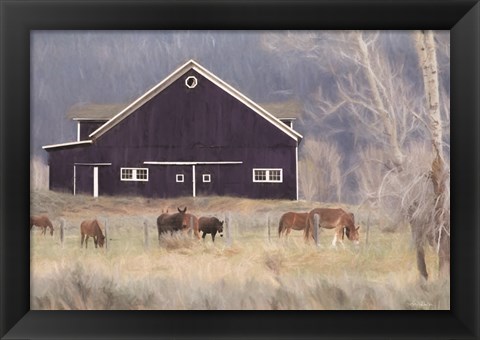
(94, 111)
(191, 64)
(87, 111)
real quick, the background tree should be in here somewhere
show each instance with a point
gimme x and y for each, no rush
(320, 174)
(377, 94)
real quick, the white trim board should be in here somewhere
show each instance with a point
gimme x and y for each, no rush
(66, 144)
(193, 163)
(93, 164)
(194, 184)
(91, 119)
(296, 170)
(191, 64)
(95, 181)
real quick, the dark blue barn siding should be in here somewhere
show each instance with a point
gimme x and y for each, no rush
(61, 169)
(178, 125)
(205, 117)
(84, 179)
(87, 127)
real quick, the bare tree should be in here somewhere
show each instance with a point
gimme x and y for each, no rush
(38, 174)
(381, 96)
(369, 86)
(439, 174)
(320, 173)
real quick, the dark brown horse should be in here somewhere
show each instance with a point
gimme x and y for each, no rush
(172, 222)
(210, 225)
(91, 228)
(334, 218)
(43, 222)
(292, 220)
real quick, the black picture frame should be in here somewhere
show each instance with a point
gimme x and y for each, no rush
(18, 17)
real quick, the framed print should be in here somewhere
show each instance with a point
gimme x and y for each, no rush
(239, 169)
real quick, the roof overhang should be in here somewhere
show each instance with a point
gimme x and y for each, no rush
(92, 119)
(54, 146)
(93, 164)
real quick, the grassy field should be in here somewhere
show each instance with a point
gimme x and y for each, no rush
(252, 272)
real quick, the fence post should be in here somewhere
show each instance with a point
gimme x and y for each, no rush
(62, 232)
(106, 234)
(227, 230)
(316, 225)
(191, 227)
(145, 235)
(268, 224)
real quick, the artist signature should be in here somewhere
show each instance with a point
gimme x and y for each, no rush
(419, 304)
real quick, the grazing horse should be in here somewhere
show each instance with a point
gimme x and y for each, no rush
(43, 222)
(191, 228)
(91, 228)
(292, 220)
(172, 222)
(210, 225)
(337, 219)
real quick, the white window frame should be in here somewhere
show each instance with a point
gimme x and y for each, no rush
(180, 178)
(194, 82)
(267, 174)
(135, 177)
(205, 176)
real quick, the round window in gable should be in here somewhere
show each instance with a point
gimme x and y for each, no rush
(191, 82)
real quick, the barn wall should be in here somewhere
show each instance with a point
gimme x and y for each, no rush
(181, 124)
(84, 179)
(87, 127)
(231, 179)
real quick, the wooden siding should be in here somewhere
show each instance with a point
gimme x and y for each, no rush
(87, 127)
(181, 124)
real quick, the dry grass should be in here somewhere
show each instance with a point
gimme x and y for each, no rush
(251, 273)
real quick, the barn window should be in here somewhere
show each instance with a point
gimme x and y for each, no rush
(268, 175)
(180, 178)
(142, 174)
(191, 82)
(134, 174)
(207, 178)
(275, 175)
(127, 174)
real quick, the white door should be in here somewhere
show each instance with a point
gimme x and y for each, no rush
(95, 181)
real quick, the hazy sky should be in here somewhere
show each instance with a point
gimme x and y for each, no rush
(71, 67)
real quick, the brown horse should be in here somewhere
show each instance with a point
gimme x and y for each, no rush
(186, 222)
(331, 218)
(172, 222)
(292, 220)
(210, 225)
(91, 228)
(43, 222)
(191, 227)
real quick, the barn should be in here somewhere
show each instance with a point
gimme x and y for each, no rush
(190, 135)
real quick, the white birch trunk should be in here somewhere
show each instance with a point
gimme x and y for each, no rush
(425, 44)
